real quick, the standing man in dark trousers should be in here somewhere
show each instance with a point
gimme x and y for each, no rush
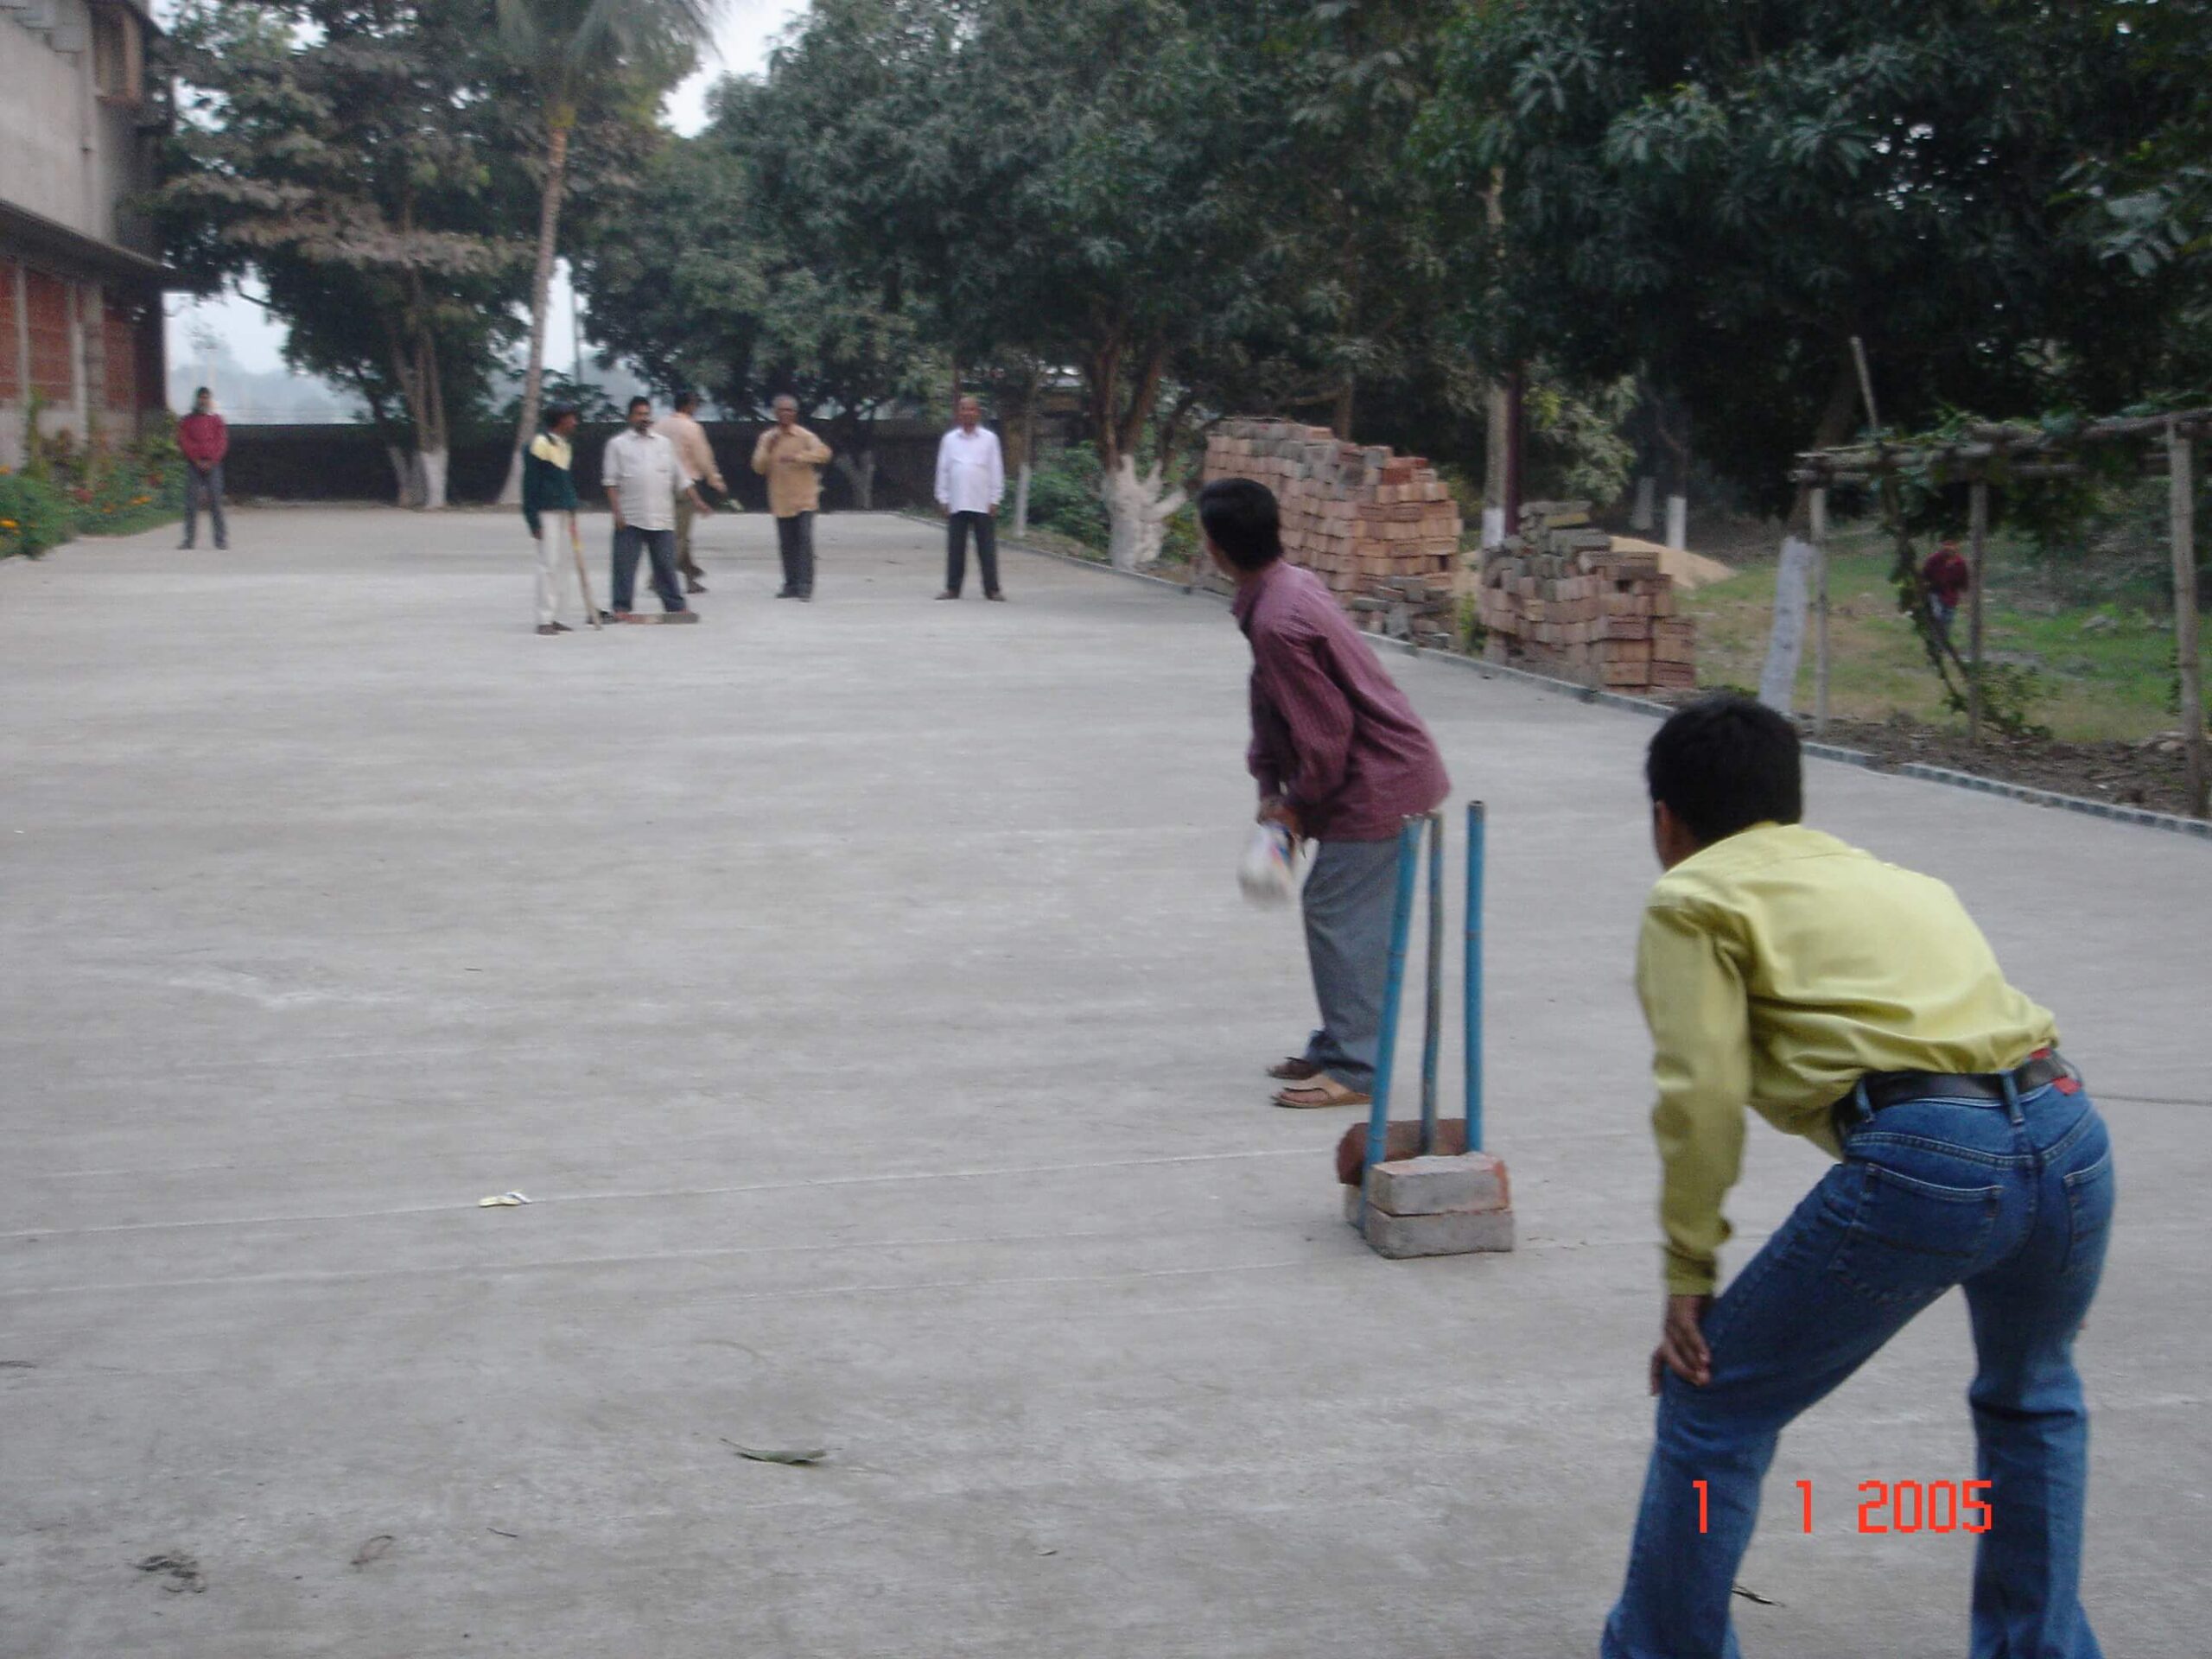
(205, 439)
(792, 459)
(1342, 759)
(644, 475)
(1856, 1004)
(970, 483)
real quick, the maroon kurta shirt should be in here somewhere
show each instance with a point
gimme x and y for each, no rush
(203, 439)
(1331, 733)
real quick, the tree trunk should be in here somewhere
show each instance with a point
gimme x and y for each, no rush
(858, 465)
(1801, 558)
(1138, 506)
(1028, 441)
(431, 439)
(1340, 421)
(541, 296)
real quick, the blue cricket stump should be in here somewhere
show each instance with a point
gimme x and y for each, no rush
(1440, 1194)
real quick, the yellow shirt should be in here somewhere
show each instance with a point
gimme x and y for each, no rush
(792, 462)
(1777, 967)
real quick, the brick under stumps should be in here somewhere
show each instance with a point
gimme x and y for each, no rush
(1445, 1204)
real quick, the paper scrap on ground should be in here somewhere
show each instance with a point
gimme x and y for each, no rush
(500, 1201)
(760, 1454)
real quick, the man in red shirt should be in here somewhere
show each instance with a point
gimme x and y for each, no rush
(205, 441)
(1342, 760)
(1947, 577)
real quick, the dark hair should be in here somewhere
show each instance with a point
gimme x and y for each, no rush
(634, 402)
(686, 400)
(198, 392)
(1725, 763)
(1240, 517)
(556, 413)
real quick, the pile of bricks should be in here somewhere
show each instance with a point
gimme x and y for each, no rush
(1355, 514)
(1563, 601)
(1424, 609)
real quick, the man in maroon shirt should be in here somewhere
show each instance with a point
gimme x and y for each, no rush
(1947, 577)
(205, 441)
(1342, 759)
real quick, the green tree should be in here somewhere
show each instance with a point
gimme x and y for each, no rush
(332, 147)
(617, 57)
(1721, 197)
(703, 288)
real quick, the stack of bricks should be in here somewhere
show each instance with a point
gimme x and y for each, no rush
(1424, 609)
(1356, 514)
(1562, 600)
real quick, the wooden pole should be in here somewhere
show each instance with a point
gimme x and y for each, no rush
(2181, 457)
(1977, 532)
(1819, 506)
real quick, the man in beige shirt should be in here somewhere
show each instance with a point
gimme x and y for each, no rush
(792, 459)
(681, 428)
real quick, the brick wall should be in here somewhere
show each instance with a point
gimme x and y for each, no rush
(12, 373)
(54, 375)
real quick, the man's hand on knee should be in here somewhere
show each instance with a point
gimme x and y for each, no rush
(1681, 1347)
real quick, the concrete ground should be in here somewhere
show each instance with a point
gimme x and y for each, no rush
(861, 993)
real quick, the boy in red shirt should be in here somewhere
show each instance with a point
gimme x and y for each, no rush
(205, 441)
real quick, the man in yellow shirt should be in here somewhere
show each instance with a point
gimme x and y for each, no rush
(792, 459)
(1857, 1004)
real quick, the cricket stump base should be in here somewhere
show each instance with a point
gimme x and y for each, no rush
(1444, 1203)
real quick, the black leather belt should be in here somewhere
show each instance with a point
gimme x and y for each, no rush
(1890, 1088)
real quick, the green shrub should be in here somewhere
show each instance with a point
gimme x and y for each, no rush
(34, 516)
(1064, 494)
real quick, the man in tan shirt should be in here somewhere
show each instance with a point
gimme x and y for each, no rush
(792, 459)
(681, 428)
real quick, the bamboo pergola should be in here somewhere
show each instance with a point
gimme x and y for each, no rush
(1980, 454)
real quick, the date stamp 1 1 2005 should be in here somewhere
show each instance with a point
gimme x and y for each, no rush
(1899, 1505)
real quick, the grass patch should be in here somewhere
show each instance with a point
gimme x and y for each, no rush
(2109, 666)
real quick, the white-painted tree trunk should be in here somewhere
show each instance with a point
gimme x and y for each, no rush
(1785, 646)
(1493, 527)
(1678, 522)
(1138, 506)
(1643, 517)
(1021, 501)
(860, 472)
(430, 471)
(404, 475)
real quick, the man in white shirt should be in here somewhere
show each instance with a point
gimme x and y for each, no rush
(970, 480)
(644, 475)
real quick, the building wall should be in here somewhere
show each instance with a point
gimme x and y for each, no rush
(79, 314)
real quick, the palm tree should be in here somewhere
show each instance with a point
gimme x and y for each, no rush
(569, 50)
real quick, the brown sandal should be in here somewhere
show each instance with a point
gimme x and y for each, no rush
(1323, 1091)
(1296, 1069)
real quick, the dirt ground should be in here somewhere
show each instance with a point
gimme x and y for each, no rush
(2148, 774)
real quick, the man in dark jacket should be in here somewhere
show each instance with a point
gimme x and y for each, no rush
(549, 507)
(205, 441)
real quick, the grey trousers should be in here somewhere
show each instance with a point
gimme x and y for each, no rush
(206, 488)
(1350, 893)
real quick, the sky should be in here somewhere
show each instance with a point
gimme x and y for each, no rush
(250, 341)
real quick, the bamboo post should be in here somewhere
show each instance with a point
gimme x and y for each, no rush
(1819, 506)
(2181, 457)
(1978, 535)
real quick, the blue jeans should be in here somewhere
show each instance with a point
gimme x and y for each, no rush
(1349, 896)
(2013, 1201)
